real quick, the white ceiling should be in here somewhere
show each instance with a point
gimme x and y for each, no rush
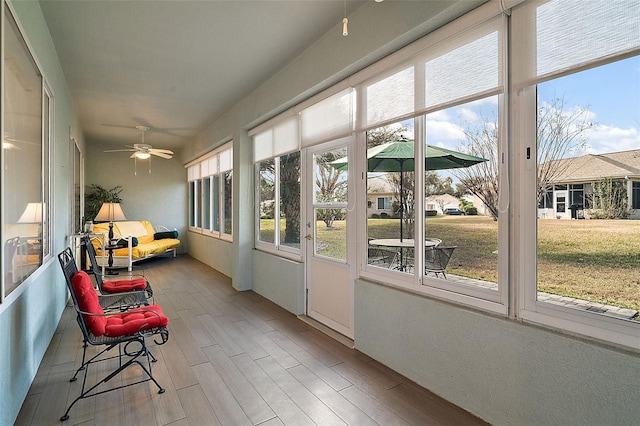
(175, 66)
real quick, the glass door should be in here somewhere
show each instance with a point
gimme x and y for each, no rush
(329, 254)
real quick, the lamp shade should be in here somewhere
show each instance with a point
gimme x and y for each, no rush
(32, 213)
(110, 212)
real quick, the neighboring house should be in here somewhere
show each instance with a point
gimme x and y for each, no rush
(380, 196)
(440, 202)
(574, 185)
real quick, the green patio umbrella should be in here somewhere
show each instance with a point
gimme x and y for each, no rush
(397, 156)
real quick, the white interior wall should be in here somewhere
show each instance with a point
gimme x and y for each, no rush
(29, 316)
(159, 197)
(503, 371)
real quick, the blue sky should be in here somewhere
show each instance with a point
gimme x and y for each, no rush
(612, 94)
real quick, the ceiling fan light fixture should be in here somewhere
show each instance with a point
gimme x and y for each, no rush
(142, 155)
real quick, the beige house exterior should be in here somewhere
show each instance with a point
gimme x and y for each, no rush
(440, 202)
(380, 196)
(574, 183)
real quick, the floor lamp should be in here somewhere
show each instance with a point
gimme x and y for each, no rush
(110, 212)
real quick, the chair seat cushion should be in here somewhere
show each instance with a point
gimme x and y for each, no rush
(129, 322)
(135, 320)
(119, 286)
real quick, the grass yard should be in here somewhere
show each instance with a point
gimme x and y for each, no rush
(594, 260)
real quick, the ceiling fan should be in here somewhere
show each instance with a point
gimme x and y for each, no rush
(143, 151)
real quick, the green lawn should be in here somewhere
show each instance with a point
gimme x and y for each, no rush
(594, 260)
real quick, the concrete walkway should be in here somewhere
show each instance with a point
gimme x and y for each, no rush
(570, 302)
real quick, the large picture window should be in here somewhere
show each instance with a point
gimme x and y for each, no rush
(576, 130)
(210, 181)
(27, 129)
(278, 170)
(279, 213)
(577, 143)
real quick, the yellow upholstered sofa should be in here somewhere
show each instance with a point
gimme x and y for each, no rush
(138, 240)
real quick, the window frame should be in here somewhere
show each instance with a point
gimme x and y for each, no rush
(211, 167)
(275, 247)
(526, 306)
(47, 131)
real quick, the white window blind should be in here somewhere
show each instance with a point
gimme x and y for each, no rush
(328, 119)
(263, 145)
(226, 159)
(560, 35)
(471, 66)
(465, 66)
(209, 166)
(389, 98)
(281, 138)
(193, 172)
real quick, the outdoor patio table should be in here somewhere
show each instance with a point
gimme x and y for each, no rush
(400, 245)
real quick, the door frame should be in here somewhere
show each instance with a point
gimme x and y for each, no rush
(308, 215)
(561, 193)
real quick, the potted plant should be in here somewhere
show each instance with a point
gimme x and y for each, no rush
(95, 196)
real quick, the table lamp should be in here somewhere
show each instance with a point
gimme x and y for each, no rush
(110, 212)
(33, 214)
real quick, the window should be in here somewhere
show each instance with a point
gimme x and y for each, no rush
(576, 103)
(210, 181)
(635, 195)
(384, 203)
(27, 129)
(546, 199)
(279, 191)
(444, 156)
(278, 170)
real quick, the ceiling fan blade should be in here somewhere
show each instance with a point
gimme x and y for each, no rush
(160, 154)
(164, 151)
(120, 150)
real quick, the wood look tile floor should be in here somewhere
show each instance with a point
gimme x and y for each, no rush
(233, 358)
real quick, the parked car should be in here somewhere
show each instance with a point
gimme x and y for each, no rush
(453, 211)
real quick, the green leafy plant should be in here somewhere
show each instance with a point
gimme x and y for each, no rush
(96, 195)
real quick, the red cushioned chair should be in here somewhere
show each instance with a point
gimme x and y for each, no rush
(124, 329)
(135, 282)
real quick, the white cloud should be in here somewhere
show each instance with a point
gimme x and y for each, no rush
(468, 115)
(602, 139)
(441, 115)
(440, 131)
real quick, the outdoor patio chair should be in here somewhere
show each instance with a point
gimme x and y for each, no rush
(10, 250)
(436, 242)
(110, 302)
(134, 282)
(125, 330)
(436, 260)
(378, 256)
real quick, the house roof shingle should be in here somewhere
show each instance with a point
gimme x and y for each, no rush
(593, 167)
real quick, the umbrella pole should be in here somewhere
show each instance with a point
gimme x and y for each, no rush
(401, 203)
